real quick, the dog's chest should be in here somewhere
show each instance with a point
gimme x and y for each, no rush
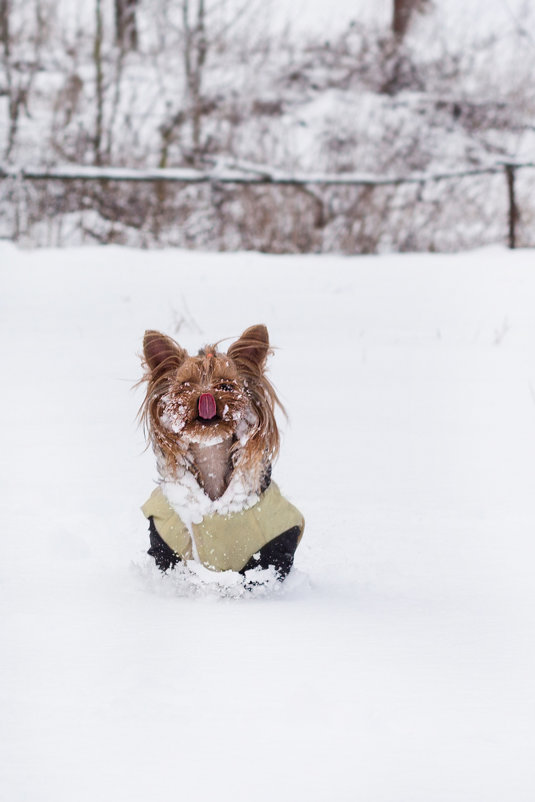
(212, 466)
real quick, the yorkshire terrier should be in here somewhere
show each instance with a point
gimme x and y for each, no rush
(211, 421)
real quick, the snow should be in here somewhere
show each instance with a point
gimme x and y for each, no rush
(397, 662)
(192, 505)
(451, 16)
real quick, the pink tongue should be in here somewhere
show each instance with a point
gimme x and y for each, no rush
(207, 407)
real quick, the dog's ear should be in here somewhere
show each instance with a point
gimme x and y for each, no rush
(251, 350)
(161, 352)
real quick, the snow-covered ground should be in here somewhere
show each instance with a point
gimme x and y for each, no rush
(398, 661)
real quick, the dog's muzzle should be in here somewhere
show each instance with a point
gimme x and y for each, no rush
(207, 406)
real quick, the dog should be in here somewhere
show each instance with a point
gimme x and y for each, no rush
(210, 419)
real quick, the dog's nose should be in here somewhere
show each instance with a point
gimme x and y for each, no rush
(207, 406)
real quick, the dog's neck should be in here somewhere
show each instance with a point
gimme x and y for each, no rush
(212, 466)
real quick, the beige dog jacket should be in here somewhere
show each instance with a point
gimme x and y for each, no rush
(225, 542)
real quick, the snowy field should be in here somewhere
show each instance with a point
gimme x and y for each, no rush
(397, 664)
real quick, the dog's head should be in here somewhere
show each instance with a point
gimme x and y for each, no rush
(209, 398)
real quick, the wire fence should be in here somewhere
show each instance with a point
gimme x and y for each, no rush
(246, 174)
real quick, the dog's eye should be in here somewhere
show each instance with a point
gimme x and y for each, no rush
(225, 387)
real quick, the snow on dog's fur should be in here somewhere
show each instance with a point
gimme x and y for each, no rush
(211, 421)
(242, 436)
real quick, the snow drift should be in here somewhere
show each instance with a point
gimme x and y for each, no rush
(397, 662)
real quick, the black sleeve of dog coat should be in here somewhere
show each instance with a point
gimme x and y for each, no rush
(163, 555)
(279, 553)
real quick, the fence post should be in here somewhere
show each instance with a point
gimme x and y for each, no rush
(513, 209)
(19, 204)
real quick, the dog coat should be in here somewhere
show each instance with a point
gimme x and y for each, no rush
(225, 542)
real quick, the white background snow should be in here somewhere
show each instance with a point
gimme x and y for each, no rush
(450, 16)
(398, 662)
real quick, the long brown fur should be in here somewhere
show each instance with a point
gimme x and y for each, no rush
(237, 380)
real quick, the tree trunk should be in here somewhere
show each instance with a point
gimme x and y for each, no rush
(195, 51)
(125, 24)
(403, 13)
(99, 84)
(4, 25)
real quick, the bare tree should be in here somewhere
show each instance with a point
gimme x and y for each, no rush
(4, 20)
(125, 24)
(108, 63)
(19, 68)
(99, 83)
(195, 52)
(208, 31)
(403, 13)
